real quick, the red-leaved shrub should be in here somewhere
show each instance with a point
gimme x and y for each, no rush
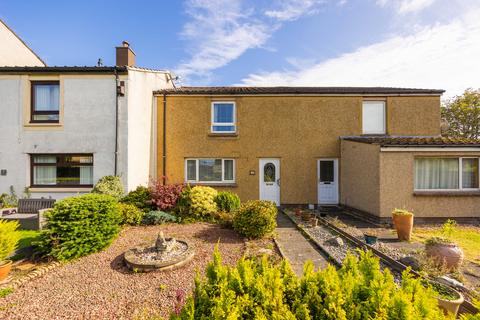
(165, 197)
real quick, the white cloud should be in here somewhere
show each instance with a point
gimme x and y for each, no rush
(289, 10)
(407, 6)
(440, 56)
(220, 31)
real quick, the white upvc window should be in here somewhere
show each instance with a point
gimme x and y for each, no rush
(373, 117)
(205, 170)
(223, 117)
(445, 174)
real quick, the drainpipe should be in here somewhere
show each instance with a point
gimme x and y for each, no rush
(164, 156)
(116, 120)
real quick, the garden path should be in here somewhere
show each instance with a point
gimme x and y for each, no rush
(295, 247)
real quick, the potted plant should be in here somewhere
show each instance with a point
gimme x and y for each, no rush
(444, 252)
(449, 300)
(298, 212)
(306, 216)
(371, 236)
(403, 222)
(9, 238)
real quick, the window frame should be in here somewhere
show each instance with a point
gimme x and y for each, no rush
(56, 165)
(33, 112)
(197, 171)
(460, 174)
(384, 129)
(224, 124)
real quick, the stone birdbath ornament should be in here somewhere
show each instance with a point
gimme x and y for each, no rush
(164, 254)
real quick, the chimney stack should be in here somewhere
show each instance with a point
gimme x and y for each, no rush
(125, 55)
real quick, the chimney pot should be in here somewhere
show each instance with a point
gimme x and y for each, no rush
(125, 55)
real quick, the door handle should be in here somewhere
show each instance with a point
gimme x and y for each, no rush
(278, 182)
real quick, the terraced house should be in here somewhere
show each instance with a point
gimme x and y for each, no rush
(370, 149)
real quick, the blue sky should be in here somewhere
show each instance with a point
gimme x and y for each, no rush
(408, 43)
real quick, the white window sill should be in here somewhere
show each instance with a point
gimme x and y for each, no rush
(448, 193)
(213, 184)
(59, 190)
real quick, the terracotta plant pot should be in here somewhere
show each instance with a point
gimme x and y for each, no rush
(5, 267)
(403, 224)
(451, 306)
(445, 254)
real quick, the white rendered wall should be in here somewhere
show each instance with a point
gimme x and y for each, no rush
(141, 124)
(13, 52)
(88, 127)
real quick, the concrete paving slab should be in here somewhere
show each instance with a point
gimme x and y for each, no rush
(295, 247)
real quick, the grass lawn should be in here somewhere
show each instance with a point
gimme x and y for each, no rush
(467, 237)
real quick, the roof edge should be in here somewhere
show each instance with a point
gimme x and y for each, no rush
(24, 43)
(293, 90)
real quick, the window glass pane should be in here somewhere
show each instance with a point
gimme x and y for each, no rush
(86, 175)
(470, 173)
(436, 173)
(228, 174)
(45, 175)
(223, 128)
(326, 171)
(62, 170)
(373, 117)
(79, 159)
(46, 117)
(210, 169)
(223, 113)
(45, 159)
(46, 97)
(191, 170)
(269, 172)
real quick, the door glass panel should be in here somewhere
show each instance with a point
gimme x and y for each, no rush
(269, 172)
(326, 171)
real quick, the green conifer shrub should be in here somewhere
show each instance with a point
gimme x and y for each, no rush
(256, 218)
(227, 201)
(256, 289)
(158, 217)
(141, 198)
(78, 226)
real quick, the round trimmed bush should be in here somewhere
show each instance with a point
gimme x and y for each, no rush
(109, 185)
(130, 214)
(256, 218)
(197, 203)
(81, 225)
(227, 201)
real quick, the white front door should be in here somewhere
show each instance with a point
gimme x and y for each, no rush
(269, 176)
(327, 174)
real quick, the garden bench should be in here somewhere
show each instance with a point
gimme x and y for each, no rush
(29, 213)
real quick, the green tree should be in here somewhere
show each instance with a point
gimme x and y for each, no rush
(461, 115)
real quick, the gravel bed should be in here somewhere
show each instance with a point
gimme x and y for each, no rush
(100, 287)
(323, 234)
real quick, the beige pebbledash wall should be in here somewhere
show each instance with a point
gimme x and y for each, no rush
(376, 182)
(360, 176)
(397, 188)
(297, 129)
